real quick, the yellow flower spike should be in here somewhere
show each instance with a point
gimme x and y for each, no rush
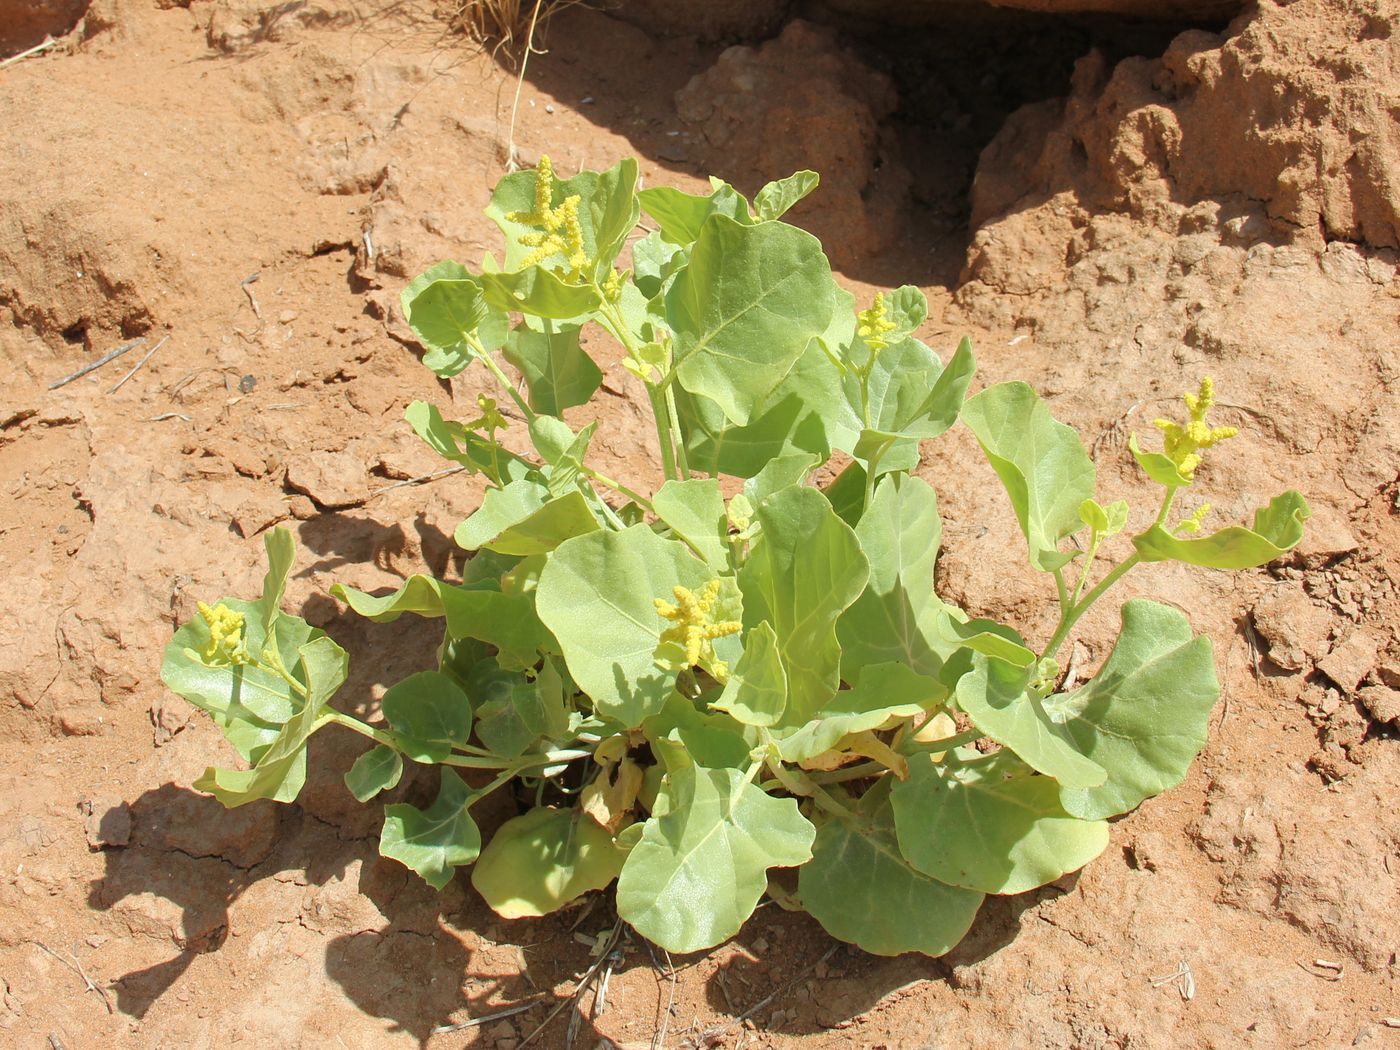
(558, 231)
(1183, 445)
(225, 643)
(693, 626)
(872, 324)
(1194, 522)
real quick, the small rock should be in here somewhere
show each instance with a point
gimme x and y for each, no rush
(1382, 702)
(1351, 659)
(301, 508)
(1327, 537)
(107, 823)
(168, 719)
(1388, 671)
(1293, 627)
(332, 479)
(259, 512)
(286, 317)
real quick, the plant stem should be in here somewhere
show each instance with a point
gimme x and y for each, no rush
(801, 785)
(1069, 616)
(617, 486)
(862, 771)
(513, 766)
(948, 743)
(663, 431)
(501, 378)
(674, 419)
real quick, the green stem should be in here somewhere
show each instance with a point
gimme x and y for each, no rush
(969, 736)
(380, 736)
(501, 378)
(618, 487)
(274, 660)
(663, 432)
(674, 419)
(802, 786)
(862, 771)
(1070, 615)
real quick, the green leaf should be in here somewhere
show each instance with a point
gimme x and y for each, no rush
(1143, 716)
(433, 841)
(477, 610)
(455, 442)
(861, 889)
(1278, 528)
(694, 511)
(444, 313)
(992, 826)
(539, 292)
(681, 216)
(995, 696)
(1158, 467)
(597, 595)
(778, 473)
(756, 692)
(745, 309)
(557, 372)
(512, 712)
(280, 769)
(897, 616)
(1041, 463)
(655, 261)
(907, 308)
(806, 414)
(281, 552)
(538, 862)
(773, 201)
(803, 572)
(911, 394)
(988, 638)
(378, 769)
(699, 871)
(683, 734)
(522, 519)
(884, 691)
(430, 713)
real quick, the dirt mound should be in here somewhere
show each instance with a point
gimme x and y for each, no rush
(25, 23)
(801, 101)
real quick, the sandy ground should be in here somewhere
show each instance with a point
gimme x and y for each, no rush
(248, 188)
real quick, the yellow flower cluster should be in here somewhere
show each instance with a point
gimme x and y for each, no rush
(1194, 522)
(226, 643)
(694, 627)
(873, 325)
(560, 232)
(1184, 445)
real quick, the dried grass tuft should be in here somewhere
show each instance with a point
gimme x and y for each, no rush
(504, 23)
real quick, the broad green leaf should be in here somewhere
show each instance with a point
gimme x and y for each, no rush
(512, 712)
(562, 450)
(1143, 716)
(1158, 467)
(538, 862)
(608, 210)
(1041, 463)
(897, 616)
(430, 713)
(281, 552)
(995, 696)
(378, 769)
(455, 442)
(912, 396)
(539, 292)
(756, 692)
(444, 313)
(993, 826)
(778, 473)
(280, 769)
(884, 691)
(773, 201)
(655, 261)
(558, 374)
(1278, 528)
(861, 889)
(522, 519)
(804, 571)
(597, 595)
(683, 734)
(478, 610)
(988, 638)
(907, 308)
(682, 216)
(694, 511)
(745, 309)
(698, 872)
(433, 841)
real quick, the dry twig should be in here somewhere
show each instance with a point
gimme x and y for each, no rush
(509, 1011)
(77, 968)
(39, 48)
(95, 365)
(137, 367)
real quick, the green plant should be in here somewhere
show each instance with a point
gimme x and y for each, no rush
(694, 690)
